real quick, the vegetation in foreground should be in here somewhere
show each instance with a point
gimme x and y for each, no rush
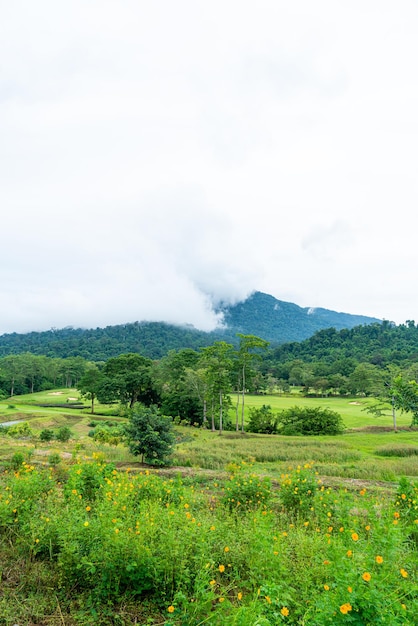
(83, 541)
(89, 544)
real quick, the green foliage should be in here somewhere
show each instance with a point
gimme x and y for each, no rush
(246, 492)
(298, 489)
(20, 431)
(310, 421)
(63, 434)
(150, 435)
(112, 435)
(262, 420)
(54, 459)
(17, 460)
(407, 500)
(46, 434)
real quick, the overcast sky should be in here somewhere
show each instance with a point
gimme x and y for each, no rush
(160, 155)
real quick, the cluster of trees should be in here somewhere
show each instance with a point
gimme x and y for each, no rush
(195, 386)
(28, 373)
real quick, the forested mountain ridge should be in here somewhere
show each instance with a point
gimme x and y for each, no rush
(260, 314)
(281, 322)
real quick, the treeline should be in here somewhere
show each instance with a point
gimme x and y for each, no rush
(29, 373)
(151, 339)
(361, 360)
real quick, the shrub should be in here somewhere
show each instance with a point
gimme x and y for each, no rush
(247, 492)
(262, 420)
(64, 434)
(20, 431)
(310, 421)
(16, 460)
(46, 434)
(54, 459)
(298, 489)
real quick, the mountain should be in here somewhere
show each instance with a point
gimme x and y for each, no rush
(281, 322)
(260, 314)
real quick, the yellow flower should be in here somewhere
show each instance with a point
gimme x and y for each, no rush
(212, 528)
(226, 549)
(354, 537)
(379, 559)
(88, 508)
(366, 576)
(268, 599)
(345, 608)
(284, 611)
(221, 568)
(326, 587)
(212, 582)
(367, 528)
(221, 599)
(350, 589)
(239, 595)
(404, 573)
(171, 609)
(86, 523)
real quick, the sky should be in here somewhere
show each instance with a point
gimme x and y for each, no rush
(160, 157)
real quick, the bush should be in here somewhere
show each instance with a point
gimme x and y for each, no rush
(310, 421)
(54, 459)
(20, 431)
(262, 420)
(16, 460)
(64, 434)
(46, 434)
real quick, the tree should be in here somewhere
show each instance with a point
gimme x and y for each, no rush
(218, 361)
(246, 356)
(90, 384)
(150, 434)
(128, 378)
(405, 397)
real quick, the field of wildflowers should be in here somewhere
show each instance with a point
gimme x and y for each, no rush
(90, 544)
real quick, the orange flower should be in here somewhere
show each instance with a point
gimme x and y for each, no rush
(284, 611)
(171, 609)
(349, 553)
(326, 587)
(345, 608)
(221, 568)
(379, 559)
(354, 537)
(404, 573)
(366, 576)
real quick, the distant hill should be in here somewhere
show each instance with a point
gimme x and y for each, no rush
(281, 322)
(260, 314)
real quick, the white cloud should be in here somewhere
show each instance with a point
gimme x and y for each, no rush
(155, 154)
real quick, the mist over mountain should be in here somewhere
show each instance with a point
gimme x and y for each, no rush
(260, 314)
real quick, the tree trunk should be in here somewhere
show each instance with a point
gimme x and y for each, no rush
(243, 399)
(220, 413)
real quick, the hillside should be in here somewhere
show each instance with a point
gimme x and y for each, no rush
(281, 322)
(261, 315)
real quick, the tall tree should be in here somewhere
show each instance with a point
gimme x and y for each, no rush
(218, 361)
(90, 384)
(248, 352)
